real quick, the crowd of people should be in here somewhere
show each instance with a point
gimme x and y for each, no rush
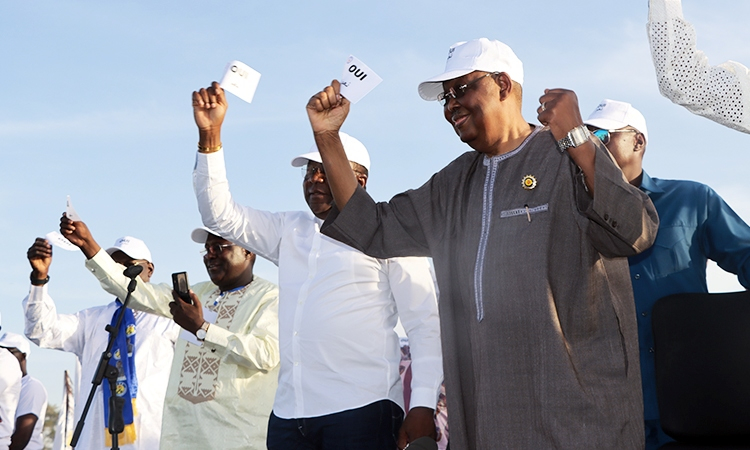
(529, 327)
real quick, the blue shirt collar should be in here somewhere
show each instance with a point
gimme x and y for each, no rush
(648, 185)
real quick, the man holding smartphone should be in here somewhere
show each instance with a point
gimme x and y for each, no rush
(225, 369)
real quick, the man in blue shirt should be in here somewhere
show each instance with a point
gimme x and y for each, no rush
(695, 225)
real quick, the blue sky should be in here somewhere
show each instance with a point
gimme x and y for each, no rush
(98, 107)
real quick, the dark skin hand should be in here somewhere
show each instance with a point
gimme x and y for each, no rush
(79, 235)
(418, 422)
(188, 316)
(40, 258)
(209, 109)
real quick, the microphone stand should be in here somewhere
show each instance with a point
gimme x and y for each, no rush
(116, 423)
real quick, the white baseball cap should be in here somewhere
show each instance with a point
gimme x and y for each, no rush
(355, 152)
(133, 247)
(200, 235)
(13, 340)
(613, 115)
(466, 57)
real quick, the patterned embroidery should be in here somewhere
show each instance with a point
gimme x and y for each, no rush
(200, 366)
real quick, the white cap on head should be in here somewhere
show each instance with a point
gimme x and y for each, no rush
(200, 235)
(133, 247)
(613, 115)
(466, 57)
(13, 340)
(355, 152)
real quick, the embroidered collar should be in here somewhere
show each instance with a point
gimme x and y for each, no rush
(222, 294)
(517, 150)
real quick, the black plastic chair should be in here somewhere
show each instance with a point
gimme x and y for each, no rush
(702, 351)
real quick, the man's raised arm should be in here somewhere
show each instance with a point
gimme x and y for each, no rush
(327, 111)
(720, 93)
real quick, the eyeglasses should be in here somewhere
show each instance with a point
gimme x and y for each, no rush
(215, 249)
(458, 92)
(604, 135)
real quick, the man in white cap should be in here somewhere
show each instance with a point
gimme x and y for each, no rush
(695, 225)
(145, 343)
(339, 385)
(10, 391)
(32, 403)
(528, 235)
(225, 367)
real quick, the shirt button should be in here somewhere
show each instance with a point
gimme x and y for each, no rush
(644, 314)
(614, 224)
(651, 350)
(637, 276)
(296, 364)
(606, 217)
(295, 333)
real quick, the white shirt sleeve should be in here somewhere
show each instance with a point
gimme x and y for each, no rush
(258, 231)
(33, 399)
(47, 329)
(720, 93)
(148, 297)
(414, 290)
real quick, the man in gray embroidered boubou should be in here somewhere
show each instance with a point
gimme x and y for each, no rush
(226, 352)
(540, 345)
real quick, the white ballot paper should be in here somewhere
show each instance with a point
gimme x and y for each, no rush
(209, 316)
(241, 80)
(358, 79)
(58, 240)
(71, 213)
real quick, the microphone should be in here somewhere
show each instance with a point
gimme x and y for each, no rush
(133, 271)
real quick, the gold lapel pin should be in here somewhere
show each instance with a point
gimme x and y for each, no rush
(528, 182)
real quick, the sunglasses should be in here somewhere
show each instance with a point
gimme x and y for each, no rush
(458, 92)
(215, 249)
(604, 135)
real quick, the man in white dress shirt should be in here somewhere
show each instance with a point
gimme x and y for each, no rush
(339, 384)
(84, 335)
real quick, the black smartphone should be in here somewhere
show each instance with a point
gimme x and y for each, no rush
(181, 286)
